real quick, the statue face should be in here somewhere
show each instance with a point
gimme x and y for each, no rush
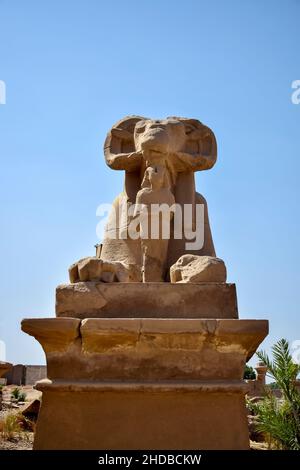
(135, 139)
(164, 136)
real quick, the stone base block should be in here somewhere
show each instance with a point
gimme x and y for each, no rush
(144, 383)
(142, 416)
(147, 300)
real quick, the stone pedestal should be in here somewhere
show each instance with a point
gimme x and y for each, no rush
(144, 383)
(150, 300)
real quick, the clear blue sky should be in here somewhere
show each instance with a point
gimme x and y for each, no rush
(73, 68)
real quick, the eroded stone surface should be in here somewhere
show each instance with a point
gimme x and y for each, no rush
(128, 300)
(143, 416)
(196, 269)
(95, 269)
(146, 348)
(54, 336)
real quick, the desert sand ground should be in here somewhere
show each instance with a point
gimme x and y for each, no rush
(19, 440)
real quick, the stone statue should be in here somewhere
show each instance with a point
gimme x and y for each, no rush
(147, 340)
(159, 158)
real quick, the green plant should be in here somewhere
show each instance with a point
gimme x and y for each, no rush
(18, 395)
(273, 386)
(280, 419)
(22, 396)
(15, 393)
(249, 373)
(10, 427)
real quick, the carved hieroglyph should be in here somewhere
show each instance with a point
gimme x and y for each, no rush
(159, 158)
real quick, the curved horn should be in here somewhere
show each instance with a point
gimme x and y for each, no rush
(200, 149)
(119, 147)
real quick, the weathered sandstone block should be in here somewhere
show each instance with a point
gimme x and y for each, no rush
(144, 383)
(196, 269)
(154, 299)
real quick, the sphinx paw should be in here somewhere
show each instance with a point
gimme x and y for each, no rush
(95, 269)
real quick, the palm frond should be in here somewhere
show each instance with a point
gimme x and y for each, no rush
(280, 420)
